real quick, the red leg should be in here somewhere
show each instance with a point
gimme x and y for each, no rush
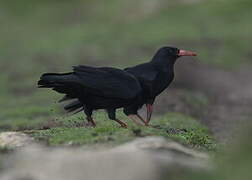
(135, 119)
(149, 112)
(145, 122)
(123, 124)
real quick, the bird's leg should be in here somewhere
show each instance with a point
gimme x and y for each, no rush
(112, 116)
(90, 121)
(88, 112)
(149, 112)
(135, 119)
(145, 122)
(122, 124)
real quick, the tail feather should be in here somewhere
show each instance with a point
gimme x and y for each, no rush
(73, 106)
(66, 84)
(50, 80)
(77, 111)
(65, 98)
(62, 83)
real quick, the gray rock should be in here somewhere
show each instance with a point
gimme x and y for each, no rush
(145, 158)
(14, 139)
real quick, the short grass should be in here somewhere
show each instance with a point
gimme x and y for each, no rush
(232, 163)
(171, 126)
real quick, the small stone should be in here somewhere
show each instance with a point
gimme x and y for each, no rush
(14, 139)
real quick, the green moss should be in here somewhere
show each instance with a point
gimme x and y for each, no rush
(233, 162)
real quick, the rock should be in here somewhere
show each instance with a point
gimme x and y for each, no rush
(145, 158)
(14, 139)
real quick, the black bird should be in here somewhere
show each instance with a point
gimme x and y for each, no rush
(156, 75)
(96, 88)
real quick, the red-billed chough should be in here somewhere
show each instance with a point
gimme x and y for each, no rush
(111, 88)
(156, 75)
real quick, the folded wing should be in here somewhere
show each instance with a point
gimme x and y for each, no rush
(107, 82)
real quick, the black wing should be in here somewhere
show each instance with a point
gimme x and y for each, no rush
(144, 72)
(107, 82)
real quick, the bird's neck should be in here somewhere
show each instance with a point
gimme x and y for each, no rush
(164, 64)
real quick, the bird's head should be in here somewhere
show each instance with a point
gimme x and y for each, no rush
(171, 54)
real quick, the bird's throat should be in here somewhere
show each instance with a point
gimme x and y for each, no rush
(164, 64)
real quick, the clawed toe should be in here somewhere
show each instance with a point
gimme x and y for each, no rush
(122, 124)
(89, 124)
(146, 124)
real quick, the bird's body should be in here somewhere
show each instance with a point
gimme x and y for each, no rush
(94, 88)
(110, 88)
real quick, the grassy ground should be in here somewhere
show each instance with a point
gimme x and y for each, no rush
(48, 36)
(233, 163)
(173, 125)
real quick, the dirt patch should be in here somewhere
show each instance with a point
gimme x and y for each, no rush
(51, 124)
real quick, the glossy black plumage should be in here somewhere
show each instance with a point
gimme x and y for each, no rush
(94, 88)
(156, 75)
(111, 88)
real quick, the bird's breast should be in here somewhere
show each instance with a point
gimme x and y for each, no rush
(162, 82)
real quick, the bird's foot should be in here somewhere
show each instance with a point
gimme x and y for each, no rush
(90, 122)
(136, 119)
(146, 124)
(122, 124)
